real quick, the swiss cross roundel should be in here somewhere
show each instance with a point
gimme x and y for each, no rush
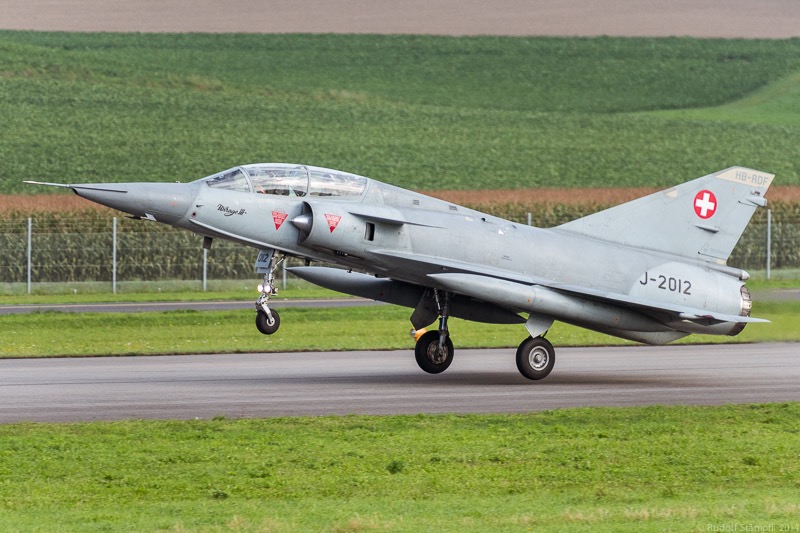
(705, 204)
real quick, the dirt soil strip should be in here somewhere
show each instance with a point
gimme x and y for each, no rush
(699, 18)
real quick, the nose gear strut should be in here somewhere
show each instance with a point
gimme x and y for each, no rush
(267, 320)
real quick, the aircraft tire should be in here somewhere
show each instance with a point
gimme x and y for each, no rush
(429, 357)
(536, 358)
(265, 325)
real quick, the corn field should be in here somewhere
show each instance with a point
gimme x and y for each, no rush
(78, 246)
(80, 252)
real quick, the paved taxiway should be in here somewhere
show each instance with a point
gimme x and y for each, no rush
(389, 382)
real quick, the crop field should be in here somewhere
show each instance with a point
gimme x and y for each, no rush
(555, 127)
(420, 112)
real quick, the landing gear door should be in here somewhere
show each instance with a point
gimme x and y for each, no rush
(425, 313)
(264, 260)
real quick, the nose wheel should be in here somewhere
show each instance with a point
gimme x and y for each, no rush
(268, 323)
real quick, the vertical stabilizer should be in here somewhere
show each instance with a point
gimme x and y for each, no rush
(703, 218)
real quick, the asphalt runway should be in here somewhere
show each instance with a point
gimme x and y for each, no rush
(389, 382)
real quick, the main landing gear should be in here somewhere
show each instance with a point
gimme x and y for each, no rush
(268, 320)
(536, 358)
(433, 351)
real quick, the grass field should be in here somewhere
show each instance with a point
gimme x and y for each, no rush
(418, 111)
(642, 469)
(53, 334)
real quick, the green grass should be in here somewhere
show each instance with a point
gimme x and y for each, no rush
(417, 111)
(50, 334)
(609, 469)
(161, 291)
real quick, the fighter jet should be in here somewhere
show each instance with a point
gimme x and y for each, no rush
(651, 270)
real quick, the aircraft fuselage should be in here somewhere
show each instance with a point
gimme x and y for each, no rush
(651, 270)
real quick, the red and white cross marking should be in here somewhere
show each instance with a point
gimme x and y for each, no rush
(705, 204)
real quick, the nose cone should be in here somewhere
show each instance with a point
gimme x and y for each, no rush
(163, 202)
(303, 222)
(128, 197)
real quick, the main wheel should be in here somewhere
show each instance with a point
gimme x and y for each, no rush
(535, 358)
(266, 325)
(432, 358)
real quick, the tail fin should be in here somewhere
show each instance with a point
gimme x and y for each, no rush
(703, 218)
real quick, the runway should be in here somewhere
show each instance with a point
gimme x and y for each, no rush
(389, 382)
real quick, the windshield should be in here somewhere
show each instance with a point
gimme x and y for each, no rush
(233, 179)
(289, 180)
(279, 179)
(302, 180)
(325, 182)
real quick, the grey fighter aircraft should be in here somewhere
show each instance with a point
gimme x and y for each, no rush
(651, 270)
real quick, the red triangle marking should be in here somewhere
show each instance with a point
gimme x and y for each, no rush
(333, 221)
(278, 218)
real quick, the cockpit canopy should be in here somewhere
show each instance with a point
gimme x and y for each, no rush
(288, 180)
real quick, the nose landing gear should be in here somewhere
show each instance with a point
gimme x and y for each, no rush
(268, 320)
